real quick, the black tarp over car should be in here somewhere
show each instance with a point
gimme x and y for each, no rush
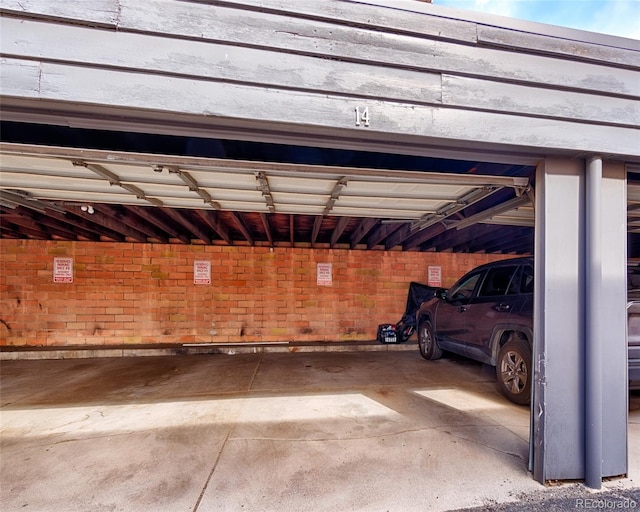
(418, 293)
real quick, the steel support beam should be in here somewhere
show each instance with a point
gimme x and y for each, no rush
(579, 409)
(593, 350)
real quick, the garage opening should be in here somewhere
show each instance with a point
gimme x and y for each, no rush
(264, 220)
(402, 77)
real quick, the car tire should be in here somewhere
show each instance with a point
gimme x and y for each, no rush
(513, 370)
(427, 343)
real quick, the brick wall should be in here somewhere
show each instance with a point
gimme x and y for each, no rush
(124, 293)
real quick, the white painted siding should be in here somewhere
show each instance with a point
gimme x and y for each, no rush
(297, 71)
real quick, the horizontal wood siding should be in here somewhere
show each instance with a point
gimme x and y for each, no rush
(93, 12)
(304, 67)
(554, 46)
(214, 61)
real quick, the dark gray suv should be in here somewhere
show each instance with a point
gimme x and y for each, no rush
(487, 316)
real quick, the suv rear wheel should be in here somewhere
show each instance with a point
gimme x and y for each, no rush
(514, 370)
(429, 349)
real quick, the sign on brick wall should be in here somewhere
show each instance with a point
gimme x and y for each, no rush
(63, 270)
(325, 274)
(435, 276)
(277, 289)
(201, 272)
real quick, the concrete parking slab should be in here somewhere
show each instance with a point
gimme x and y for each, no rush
(361, 431)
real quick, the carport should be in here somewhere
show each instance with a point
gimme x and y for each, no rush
(467, 105)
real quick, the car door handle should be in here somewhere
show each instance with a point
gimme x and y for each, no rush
(462, 309)
(503, 308)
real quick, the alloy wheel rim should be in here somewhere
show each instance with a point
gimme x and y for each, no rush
(514, 372)
(425, 338)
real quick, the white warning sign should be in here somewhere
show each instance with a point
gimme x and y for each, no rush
(63, 270)
(201, 272)
(435, 276)
(325, 274)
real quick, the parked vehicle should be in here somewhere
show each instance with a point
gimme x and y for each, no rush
(633, 347)
(633, 324)
(487, 316)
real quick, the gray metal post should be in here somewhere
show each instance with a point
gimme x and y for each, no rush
(593, 325)
(612, 308)
(579, 409)
(558, 396)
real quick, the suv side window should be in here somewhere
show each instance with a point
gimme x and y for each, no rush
(523, 281)
(497, 281)
(526, 285)
(514, 287)
(464, 290)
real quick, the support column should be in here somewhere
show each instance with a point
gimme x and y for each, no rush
(580, 322)
(613, 314)
(593, 325)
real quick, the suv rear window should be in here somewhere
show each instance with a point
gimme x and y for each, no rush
(497, 282)
(526, 286)
(522, 282)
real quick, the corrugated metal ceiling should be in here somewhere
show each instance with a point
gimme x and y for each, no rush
(46, 192)
(65, 175)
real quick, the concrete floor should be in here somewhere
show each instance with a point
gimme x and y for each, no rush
(367, 431)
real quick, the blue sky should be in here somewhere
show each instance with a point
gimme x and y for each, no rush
(617, 17)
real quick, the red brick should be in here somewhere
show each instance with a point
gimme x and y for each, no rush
(134, 293)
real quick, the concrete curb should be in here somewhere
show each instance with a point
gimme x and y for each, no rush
(78, 352)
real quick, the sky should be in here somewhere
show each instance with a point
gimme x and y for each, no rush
(616, 17)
